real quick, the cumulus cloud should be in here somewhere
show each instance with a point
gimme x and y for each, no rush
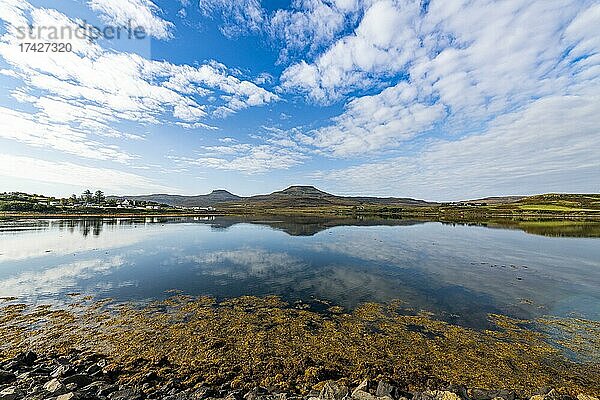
(311, 24)
(26, 128)
(464, 63)
(238, 17)
(134, 13)
(384, 42)
(89, 90)
(551, 146)
(377, 122)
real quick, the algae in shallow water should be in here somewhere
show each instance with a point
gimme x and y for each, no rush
(251, 341)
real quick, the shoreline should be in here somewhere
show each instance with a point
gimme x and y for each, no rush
(81, 376)
(442, 217)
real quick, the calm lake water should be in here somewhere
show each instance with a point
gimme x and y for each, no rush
(459, 272)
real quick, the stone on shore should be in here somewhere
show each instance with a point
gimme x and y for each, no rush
(55, 387)
(67, 396)
(333, 391)
(11, 393)
(586, 397)
(436, 395)
(484, 394)
(388, 390)
(7, 377)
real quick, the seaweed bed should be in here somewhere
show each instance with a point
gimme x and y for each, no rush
(247, 342)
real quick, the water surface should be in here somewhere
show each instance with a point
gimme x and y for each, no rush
(461, 273)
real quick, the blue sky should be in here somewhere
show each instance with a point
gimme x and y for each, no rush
(440, 100)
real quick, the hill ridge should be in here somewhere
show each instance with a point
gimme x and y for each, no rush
(292, 196)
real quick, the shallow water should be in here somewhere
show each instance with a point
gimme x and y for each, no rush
(461, 273)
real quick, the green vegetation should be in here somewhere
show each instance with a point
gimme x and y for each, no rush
(250, 341)
(88, 203)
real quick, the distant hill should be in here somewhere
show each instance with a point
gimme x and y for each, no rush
(205, 200)
(293, 196)
(306, 196)
(498, 200)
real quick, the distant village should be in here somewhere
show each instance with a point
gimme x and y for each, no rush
(18, 201)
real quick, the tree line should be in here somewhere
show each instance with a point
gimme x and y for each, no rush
(87, 196)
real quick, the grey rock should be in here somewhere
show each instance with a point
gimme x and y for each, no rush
(93, 369)
(28, 358)
(125, 394)
(11, 393)
(67, 396)
(24, 375)
(333, 391)
(203, 393)
(385, 389)
(234, 395)
(106, 390)
(550, 395)
(63, 360)
(258, 393)
(460, 390)
(179, 396)
(366, 385)
(80, 380)
(60, 371)
(7, 377)
(436, 395)
(55, 387)
(358, 394)
(484, 394)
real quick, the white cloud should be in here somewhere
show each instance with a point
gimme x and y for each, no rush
(379, 122)
(306, 25)
(106, 179)
(246, 158)
(384, 42)
(551, 146)
(312, 24)
(460, 66)
(26, 128)
(85, 93)
(239, 16)
(134, 13)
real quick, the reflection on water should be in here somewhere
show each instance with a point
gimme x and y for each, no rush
(460, 272)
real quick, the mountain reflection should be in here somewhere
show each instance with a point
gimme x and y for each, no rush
(461, 272)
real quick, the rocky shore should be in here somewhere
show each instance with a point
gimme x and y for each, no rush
(29, 376)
